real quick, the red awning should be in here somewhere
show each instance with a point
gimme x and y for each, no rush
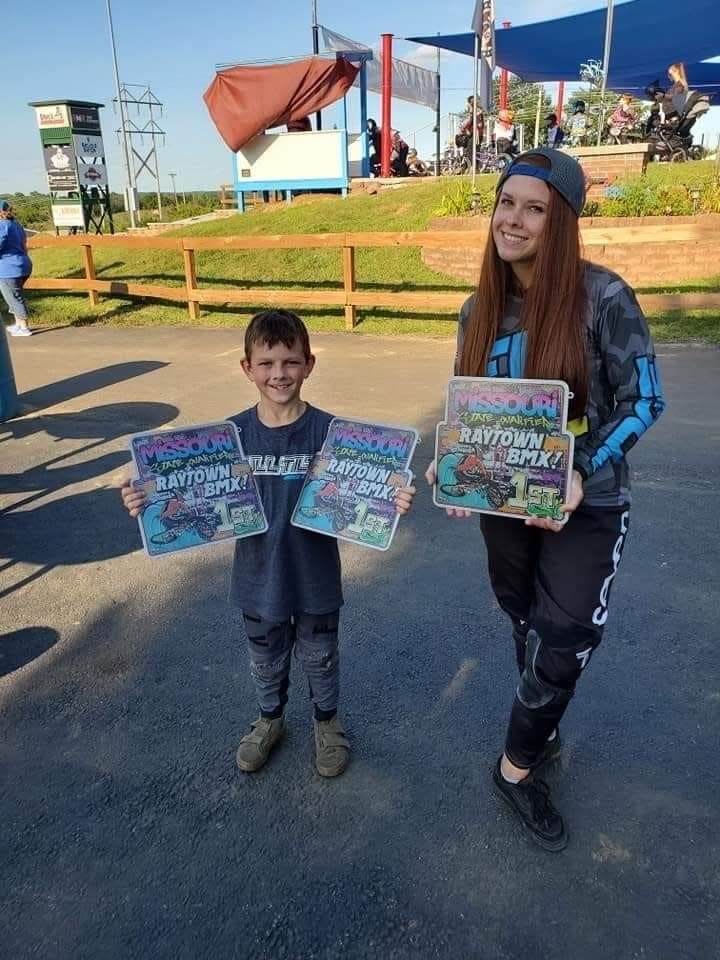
(246, 101)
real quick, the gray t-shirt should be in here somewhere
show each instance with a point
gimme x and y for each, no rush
(285, 570)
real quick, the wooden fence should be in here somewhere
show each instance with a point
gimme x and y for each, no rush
(348, 296)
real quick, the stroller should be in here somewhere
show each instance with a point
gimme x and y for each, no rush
(672, 140)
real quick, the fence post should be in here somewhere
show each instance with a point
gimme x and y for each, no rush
(348, 260)
(190, 281)
(89, 265)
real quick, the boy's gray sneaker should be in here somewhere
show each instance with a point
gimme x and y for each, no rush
(332, 748)
(255, 746)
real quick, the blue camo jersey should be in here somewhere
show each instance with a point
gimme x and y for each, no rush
(625, 391)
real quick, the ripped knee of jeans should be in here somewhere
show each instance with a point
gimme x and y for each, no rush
(269, 670)
(311, 659)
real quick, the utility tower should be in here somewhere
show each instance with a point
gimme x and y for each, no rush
(138, 110)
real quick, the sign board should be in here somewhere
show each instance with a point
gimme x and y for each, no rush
(85, 118)
(88, 145)
(293, 156)
(53, 116)
(92, 174)
(60, 167)
(199, 486)
(68, 215)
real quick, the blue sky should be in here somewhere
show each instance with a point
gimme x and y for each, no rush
(174, 45)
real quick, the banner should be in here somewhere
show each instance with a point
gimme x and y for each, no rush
(60, 167)
(68, 214)
(410, 83)
(88, 146)
(85, 118)
(52, 116)
(92, 174)
(483, 26)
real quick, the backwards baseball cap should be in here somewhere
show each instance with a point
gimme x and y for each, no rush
(4, 205)
(563, 172)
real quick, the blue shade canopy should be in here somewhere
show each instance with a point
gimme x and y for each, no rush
(648, 35)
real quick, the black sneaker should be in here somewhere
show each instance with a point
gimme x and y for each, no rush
(550, 752)
(530, 799)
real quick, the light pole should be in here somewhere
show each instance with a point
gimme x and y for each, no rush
(130, 189)
(316, 51)
(606, 67)
(172, 177)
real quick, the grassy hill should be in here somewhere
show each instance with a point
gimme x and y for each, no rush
(409, 207)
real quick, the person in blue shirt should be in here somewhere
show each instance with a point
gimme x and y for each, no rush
(15, 268)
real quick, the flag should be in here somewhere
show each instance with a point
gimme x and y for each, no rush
(410, 83)
(483, 25)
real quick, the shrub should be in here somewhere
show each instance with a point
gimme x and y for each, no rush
(459, 199)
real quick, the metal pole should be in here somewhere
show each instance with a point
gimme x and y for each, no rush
(174, 188)
(504, 76)
(386, 132)
(606, 67)
(476, 68)
(365, 140)
(438, 121)
(537, 115)
(157, 164)
(126, 151)
(316, 51)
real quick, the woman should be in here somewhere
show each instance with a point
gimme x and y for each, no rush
(677, 93)
(541, 311)
(15, 268)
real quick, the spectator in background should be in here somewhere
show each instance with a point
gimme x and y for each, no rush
(373, 135)
(398, 155)
(467, 124)
(554, 133)
(416, 168)
(623, 118)
(504, 133)
(302, 125)
(15, 268)
(677, 93)
(656, 95)
(579, 124)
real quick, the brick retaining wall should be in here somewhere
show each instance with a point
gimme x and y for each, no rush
(603, 165)
(640, 264)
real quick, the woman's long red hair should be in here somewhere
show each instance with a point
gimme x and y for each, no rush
(553, 311)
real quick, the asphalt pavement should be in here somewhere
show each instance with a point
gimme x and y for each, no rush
(127, 831)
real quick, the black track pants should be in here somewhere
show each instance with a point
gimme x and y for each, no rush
(557, 585)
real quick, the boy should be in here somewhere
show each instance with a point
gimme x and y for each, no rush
(287, 581)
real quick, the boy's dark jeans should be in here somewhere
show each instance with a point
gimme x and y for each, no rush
(314, 637)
